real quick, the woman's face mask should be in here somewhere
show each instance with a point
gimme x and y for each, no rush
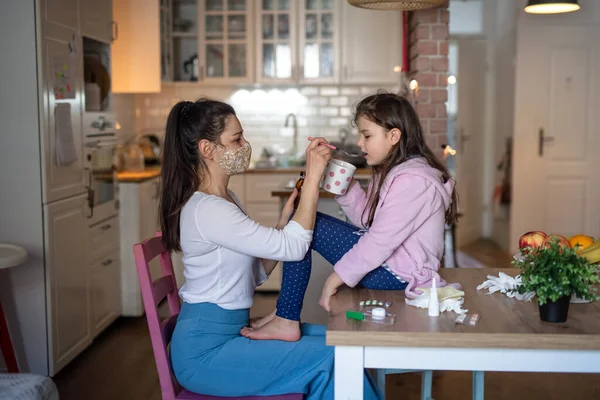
(236, 161)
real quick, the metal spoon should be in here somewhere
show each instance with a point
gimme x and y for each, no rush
(332, 147)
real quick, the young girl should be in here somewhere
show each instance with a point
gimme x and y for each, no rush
(399, 247)
(226, 255)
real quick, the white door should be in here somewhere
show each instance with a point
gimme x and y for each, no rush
(66, 271)
(557, 131)
(469, 138)
(61, 53)
(97, 20)
(371, 45)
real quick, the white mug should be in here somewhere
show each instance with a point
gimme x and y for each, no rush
(338, 176)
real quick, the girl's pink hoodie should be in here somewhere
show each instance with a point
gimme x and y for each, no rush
(408, 228)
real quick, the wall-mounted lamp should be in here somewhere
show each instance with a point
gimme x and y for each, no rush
(451, 80)
(551, 6)
(414, 86)
(448, 151)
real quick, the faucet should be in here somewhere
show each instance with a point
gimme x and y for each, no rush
(295, 127)
(343, 134)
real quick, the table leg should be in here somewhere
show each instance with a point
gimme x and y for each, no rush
(6, 346)
(478, 385)
(349, 373)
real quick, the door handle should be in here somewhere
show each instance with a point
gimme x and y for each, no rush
(542, 140)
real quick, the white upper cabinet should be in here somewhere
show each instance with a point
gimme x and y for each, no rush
(318, 44)
(276, 41)
(226, 38)
(97, 20)
(371, 45)
(136, 52)
(63, 13)
(261, 41)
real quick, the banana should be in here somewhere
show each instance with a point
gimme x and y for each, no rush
(592, 253)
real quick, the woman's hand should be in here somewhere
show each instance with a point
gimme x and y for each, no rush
(287, 211)
(330, 287)
(317, 157)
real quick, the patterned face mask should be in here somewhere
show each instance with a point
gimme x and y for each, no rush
(236, 161)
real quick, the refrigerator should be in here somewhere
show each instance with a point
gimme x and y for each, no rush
(47, 170)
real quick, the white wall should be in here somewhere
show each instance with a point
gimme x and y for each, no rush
(20, 179)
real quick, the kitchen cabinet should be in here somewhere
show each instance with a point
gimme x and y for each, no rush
(297, 41)
(139, 221)
(105, 291)
(61, 179)
(64, 13)
(136, 52)
(276, 41)
(104, 274)
(371, 45)
(207, 41)
(318, 41)
(242, 42)
(97, 20)
(225, 28)
(66, 277)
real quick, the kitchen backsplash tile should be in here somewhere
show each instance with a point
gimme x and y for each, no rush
(320, 111)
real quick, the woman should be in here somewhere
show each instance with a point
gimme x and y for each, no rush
(226, 255)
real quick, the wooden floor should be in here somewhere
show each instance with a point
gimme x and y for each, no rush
(120, 365)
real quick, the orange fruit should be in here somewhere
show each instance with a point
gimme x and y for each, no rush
(582, 240)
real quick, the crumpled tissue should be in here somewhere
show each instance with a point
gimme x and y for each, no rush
(504, 284)
(450, 299)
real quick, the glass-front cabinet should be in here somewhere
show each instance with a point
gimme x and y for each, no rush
(296, 41)
(276, 41)
(247, 41)
(226, 37)
(318, 46)
(206, 41)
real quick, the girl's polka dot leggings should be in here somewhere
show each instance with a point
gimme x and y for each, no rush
(332, 238)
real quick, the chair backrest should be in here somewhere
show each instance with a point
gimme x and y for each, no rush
(153, 293)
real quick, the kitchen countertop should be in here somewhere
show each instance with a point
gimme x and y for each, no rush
(361, 172)
(138, 176)
(152, 172)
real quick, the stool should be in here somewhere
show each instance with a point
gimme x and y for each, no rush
(10, 256)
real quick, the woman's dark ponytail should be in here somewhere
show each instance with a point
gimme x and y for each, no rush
(182, 168)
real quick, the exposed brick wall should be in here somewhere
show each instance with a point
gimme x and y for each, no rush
(428, 65)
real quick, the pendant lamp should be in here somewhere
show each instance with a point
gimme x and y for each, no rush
(551, 6)
(404, 5)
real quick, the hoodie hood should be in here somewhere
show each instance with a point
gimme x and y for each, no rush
(418, 166)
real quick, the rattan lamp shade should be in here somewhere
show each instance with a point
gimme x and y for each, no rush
(406, 5)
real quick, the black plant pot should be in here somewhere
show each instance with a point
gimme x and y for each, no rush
(555, 311)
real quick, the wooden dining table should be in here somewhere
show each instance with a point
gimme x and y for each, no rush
(509, 336)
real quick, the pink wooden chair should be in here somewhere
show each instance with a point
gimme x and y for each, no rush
(153, 293)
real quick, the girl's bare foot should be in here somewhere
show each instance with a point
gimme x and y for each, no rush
(258, 322)
(276, 329)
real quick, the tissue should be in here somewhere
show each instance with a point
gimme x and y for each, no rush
(504, 284)
(450, 299)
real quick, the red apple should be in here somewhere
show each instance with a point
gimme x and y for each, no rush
(562, 241)
(531, 240)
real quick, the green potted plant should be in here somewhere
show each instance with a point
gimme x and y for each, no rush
(554, 272)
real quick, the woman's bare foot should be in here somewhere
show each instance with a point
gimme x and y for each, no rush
(258, 322)
(276, 329)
